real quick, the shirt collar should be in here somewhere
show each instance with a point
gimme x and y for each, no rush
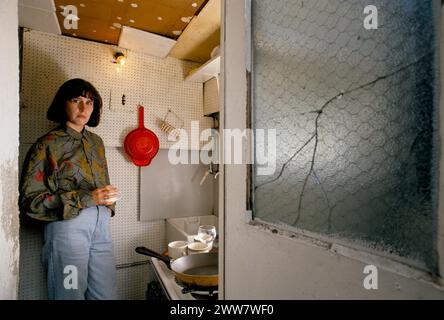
(73, 133)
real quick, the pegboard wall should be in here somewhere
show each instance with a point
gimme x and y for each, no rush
(48, 61)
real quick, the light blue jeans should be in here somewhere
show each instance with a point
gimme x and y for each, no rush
(78, 257)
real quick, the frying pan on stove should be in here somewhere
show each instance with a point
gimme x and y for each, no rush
(196, 270)
(141, 144)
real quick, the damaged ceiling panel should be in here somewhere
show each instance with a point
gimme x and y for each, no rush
(28, 10)
(145, 42)
(183, 29)
(201, 36)
(102, 20)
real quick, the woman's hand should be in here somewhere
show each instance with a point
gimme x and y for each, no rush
(101, 195)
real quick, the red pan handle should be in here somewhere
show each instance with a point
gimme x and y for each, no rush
(141, 119)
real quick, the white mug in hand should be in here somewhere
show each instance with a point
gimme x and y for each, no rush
(113, 199)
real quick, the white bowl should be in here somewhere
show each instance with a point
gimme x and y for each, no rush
(198, 247)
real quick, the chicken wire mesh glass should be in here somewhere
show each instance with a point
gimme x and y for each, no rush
(356, 117)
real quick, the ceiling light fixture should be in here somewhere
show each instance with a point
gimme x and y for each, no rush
(119, 58)
(134, 5)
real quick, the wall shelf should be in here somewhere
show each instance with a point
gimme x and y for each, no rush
(207, 71)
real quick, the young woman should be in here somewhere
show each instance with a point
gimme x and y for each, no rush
(65, 182)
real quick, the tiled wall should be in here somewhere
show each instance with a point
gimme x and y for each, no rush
(48, 61)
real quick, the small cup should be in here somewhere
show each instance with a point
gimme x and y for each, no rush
(177, 249)
(198, 247)
(207, 234)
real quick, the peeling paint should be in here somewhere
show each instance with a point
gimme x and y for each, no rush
(281, 231)
(186, 19)
(9, 220)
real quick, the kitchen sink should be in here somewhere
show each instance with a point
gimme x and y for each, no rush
(186, 228)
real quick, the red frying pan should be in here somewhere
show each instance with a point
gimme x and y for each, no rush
(141, 144)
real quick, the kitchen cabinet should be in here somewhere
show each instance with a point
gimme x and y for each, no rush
(201, 35)
(205, 72)
(181, 194)
(211, 96)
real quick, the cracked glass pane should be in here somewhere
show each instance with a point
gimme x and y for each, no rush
(355, 113)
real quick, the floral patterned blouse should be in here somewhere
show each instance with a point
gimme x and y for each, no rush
(62, 169)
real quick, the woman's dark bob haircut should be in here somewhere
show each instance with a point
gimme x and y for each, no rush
(72, 89)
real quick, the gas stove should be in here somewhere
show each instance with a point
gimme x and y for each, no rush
(164, 286)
